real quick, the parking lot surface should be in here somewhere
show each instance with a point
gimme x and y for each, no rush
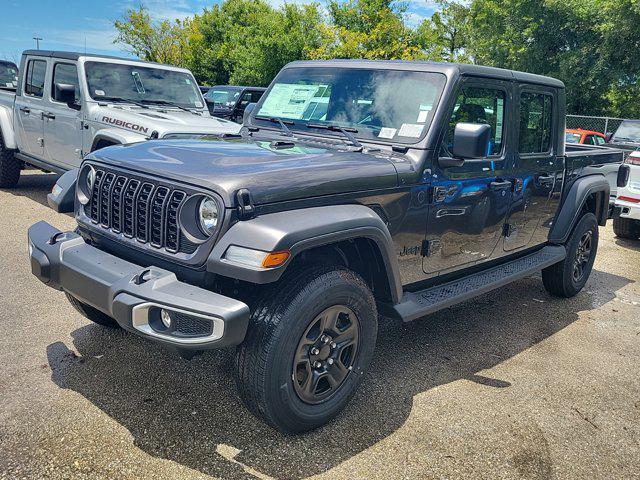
(514, 384)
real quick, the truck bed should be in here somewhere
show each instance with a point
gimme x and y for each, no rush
(588, 159)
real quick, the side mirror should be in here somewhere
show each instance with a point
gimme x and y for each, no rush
(608, 137)
(247, 111)
(471, 140)
(65, 93)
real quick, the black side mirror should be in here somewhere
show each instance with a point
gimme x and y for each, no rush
(247, 111)
(65, 93)
(471, 140)
(608, 137)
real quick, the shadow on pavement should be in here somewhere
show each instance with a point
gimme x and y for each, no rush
(34, 185)
(189, 412)
(630, 244)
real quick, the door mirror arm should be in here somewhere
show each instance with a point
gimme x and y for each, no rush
(450, 162)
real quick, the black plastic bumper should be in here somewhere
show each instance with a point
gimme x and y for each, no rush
(126, 291)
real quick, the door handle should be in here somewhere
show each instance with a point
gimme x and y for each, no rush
(545, 179)
(48, 115)
(25, 110)
(500, 185)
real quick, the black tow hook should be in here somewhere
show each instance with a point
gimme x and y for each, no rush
(141, 277)
(54, 239)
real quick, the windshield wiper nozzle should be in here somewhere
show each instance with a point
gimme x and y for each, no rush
(337, 128)
(282, 124)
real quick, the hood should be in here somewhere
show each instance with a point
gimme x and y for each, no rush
(145, 121)
(270, 174)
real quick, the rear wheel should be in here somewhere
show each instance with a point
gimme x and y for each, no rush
(308, 345)
(626, 228)
(567, 278)
(95, 315)
(10, 167)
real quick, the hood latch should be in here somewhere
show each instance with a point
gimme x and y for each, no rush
(245, 203)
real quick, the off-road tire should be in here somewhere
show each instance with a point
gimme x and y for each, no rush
(626, 228)
(280, 317)
(96, 316)
(10, 167)
(559, 279)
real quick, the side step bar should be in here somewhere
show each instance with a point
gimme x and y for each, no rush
(415, 305)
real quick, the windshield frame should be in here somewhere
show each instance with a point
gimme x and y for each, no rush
(368, 66)
(149, 65)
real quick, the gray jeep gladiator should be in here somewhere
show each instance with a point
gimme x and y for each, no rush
(357, 190)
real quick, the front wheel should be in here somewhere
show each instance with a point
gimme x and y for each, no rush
(568, 277)
(309, 342)
(626, 228)
(10, 167)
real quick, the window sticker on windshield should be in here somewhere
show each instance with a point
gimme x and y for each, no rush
(99, 93)
(386, 132)
(422, 116)
(198, 104)
(411, 130)
(8, 84)
(289, 100)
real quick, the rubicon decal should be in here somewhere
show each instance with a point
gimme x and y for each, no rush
(131, 126)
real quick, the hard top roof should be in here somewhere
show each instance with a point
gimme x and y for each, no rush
(77, 55)
(448, 69)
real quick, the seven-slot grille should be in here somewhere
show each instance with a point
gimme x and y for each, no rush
(139, 210)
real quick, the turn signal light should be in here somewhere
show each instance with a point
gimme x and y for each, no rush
(275, 259)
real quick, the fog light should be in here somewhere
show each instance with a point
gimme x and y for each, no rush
(166, 318)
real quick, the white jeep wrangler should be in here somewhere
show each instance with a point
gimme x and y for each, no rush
(69, 104)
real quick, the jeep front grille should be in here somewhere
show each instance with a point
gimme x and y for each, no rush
(138, 209)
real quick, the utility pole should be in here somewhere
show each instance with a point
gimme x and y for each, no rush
(37, 39)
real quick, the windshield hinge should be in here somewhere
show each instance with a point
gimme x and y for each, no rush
(245, 204)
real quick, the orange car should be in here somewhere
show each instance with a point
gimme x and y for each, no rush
(589, 137)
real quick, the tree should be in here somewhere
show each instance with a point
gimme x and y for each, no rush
(445, 36)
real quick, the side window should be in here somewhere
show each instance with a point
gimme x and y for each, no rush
(536, 113)
(600, 140)
(34, 79)
(479, 105)
(68, 74)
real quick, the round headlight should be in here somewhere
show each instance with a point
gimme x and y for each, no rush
(90, 179)
(208, 213)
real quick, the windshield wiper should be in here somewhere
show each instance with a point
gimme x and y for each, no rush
(337, 128)
(121, 100)
(282, 124)
(168, 104)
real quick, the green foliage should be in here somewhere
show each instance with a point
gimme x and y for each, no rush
(592, 45)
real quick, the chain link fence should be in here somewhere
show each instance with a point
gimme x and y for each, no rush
(598, 124)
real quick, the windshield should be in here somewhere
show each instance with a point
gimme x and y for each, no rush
(387, 105)
(8, 75)
(572, 137)
(223, 96)
(142, 84)
(628, 132)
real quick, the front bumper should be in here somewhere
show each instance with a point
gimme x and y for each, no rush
(626, 209)
(130, 293)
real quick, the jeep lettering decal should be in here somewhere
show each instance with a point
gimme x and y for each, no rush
(128, 125)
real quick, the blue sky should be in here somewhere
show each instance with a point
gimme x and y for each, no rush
(70, 24)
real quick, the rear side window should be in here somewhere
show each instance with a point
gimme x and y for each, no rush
(536, 110)
(65, 73)
(34, 83)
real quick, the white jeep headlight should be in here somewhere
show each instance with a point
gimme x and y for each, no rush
(208, 214)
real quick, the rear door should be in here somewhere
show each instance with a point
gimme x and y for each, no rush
(537, 170)
(469, 204)
(29, 107)
(62, 123)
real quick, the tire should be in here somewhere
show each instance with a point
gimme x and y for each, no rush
(565, 279)
(626, 228)
(10, 167)
(285, 321)
(96, 316)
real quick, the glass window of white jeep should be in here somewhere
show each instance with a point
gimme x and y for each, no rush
(67, 74)
(148, 85)
(34, 79)
(388, 105)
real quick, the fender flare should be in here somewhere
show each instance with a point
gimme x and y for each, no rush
(301, 230)
(117, 136)
(62, 199)
(6, 128)
(573, 202)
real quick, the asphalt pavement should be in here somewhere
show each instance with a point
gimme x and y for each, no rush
(514, 384)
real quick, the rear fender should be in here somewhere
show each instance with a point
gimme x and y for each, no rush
(301, 230)
(574, 202)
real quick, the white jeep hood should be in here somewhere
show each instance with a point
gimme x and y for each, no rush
(145, 121)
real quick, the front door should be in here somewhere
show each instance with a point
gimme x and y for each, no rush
(29, 109)
(62, 123)
(469, 203)
(537, 172)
